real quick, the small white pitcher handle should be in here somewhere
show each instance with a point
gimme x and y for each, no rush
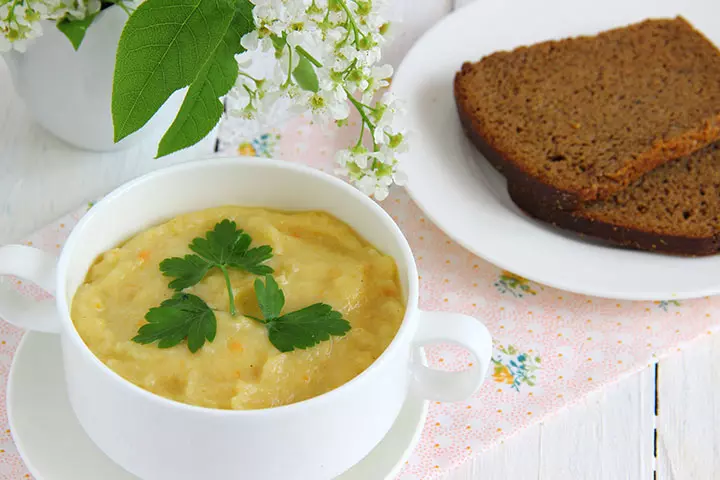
(38, 267)
(462, 330)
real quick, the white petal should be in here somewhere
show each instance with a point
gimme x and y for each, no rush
(382, 72)
(349, 52)
(241, 96)
(319, 118)
(388, 98)
(385, 181)
(379, 136)
(19, 13)
(336, 34)
(266, 44)
(297, 108)
(295, 38)
(343, 157)
(361, 161)
(380, 194)
(400, 178)
(339, 110)
(278, 28)
(366, 185)
(36, 30)
(337, 17)
(339, 94)
(326, 84)
(250, 40)
(244, 60)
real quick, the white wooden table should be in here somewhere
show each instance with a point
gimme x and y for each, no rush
(662, 423)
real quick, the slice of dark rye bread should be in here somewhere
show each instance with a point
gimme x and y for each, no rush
(581, 119)
(673, 209)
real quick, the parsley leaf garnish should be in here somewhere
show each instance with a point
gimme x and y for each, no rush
(224, 247)
(188, 317)
(184, 316)
(301, 329)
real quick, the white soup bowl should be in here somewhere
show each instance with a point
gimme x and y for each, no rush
(160, 439)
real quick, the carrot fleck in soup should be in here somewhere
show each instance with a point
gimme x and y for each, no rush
(330, 306)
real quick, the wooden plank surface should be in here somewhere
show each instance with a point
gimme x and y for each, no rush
(689, 413)
(608, 436)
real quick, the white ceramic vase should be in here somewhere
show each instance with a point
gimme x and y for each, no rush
(69, 92)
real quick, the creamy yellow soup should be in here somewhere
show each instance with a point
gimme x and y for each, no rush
(317, 258)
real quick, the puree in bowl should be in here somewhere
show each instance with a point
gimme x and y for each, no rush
(317, 258)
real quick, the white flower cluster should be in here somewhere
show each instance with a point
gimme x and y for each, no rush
(20, 19)
(326, 56)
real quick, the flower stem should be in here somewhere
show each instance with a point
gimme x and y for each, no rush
(246, 75)
(252, 94)
(360, 107)
(361, 110)
(11, 13)
(345, 38)
(351, 19)
(125, 8)
(307, 55)
(289, 77)
(362, 133)
(348, 70)
(231, 297)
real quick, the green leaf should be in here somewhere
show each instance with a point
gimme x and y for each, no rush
(306, 328)
(225, 246)
(163, 46)
(251, 260)
(188, 271)
(305, 75)
(75, 30)
(270, 298)
(184, 316)
(221, 243)
(278, 41)
(301, 329)
(201, 110)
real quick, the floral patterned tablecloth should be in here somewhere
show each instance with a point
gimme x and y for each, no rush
(552, 348)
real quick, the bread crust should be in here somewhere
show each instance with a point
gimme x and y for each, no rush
(550, 205)
(595, 185)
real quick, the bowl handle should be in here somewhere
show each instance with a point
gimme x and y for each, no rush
(38, 267)
(462, 330)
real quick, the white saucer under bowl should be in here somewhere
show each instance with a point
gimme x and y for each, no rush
(55, 447)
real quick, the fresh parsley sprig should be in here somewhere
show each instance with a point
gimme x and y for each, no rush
(188, 317)
(224, 247)
(300, 329)
(184, 316)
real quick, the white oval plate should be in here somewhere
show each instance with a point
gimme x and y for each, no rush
(55, 447)
(467, 198)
